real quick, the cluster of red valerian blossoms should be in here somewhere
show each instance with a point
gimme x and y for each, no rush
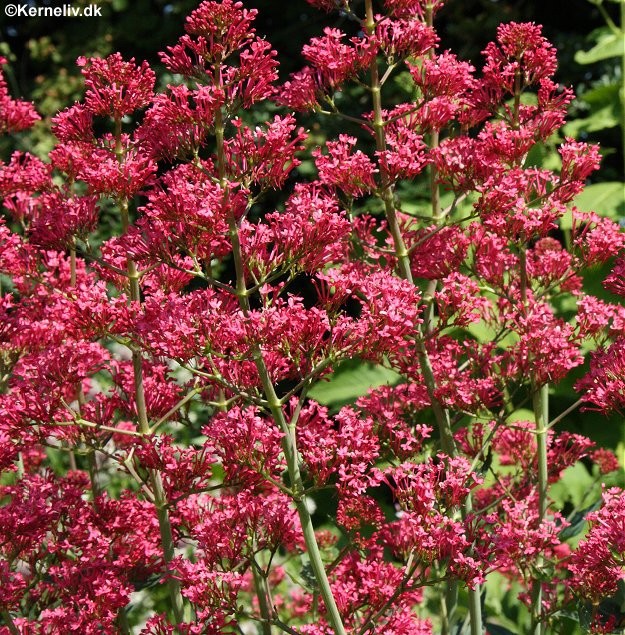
(161, 454)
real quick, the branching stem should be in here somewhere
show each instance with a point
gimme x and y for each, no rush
(540, 401)
(156, 482)
(403, 259)
(274, 404)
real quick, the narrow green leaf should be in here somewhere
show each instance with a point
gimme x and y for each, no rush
(606, 117)
(602, 94)
(574, 486)
(584, 612)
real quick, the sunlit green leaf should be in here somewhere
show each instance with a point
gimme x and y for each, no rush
(606, 199)
(606, 117)
(352, 380)
(497, 629)
(574, 486)
(611, 45)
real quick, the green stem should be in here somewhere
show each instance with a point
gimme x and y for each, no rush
(8, 620)
(263, 603)
(451, 603)
(475, 601)
(80, 397)
(122, 622)
(403, 258)
(523, 277)
(290, 452)
(386, 191)
(441, 414)
(20, 466)
(92, 463)
(622, 91)
(156, 482)
(288, 440)
(517, 97)
(72, 274)
(540, 401)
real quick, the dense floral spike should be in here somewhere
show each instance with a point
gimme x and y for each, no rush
(179, 121)
(225, 26)
(604, 385)
(597, 566)
(336, 61)
(400, 39)
(263, 158)
(351, 173)
(521, 51)
(412, 8)
(114, 87)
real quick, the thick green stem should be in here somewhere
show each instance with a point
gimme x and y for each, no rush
(622, 30)
(288, 440)
(80, 397)
(435, 195)
(517, 98)
(156, 482)
(451, 603)
(263, 600)
(290, 452)
(386, 189)
(540, 401)
(72, 265)
(10, 624)
(441, 414)
(403, 259)
(122, 622)
(475, 601)
(72, 274)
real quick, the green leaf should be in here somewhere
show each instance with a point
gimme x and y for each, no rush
(352, 379)
(308, 576)
(502, 606)
(574, 486)
(608, 46)
(566, 221)
(602, 94)
(522, 414)
(484, 332)
(607, 199)
(619, 596)
(307, 168)
(606, 117)
(578, 522)
(584, 612)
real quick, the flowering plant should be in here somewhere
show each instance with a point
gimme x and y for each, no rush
(164, 441)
